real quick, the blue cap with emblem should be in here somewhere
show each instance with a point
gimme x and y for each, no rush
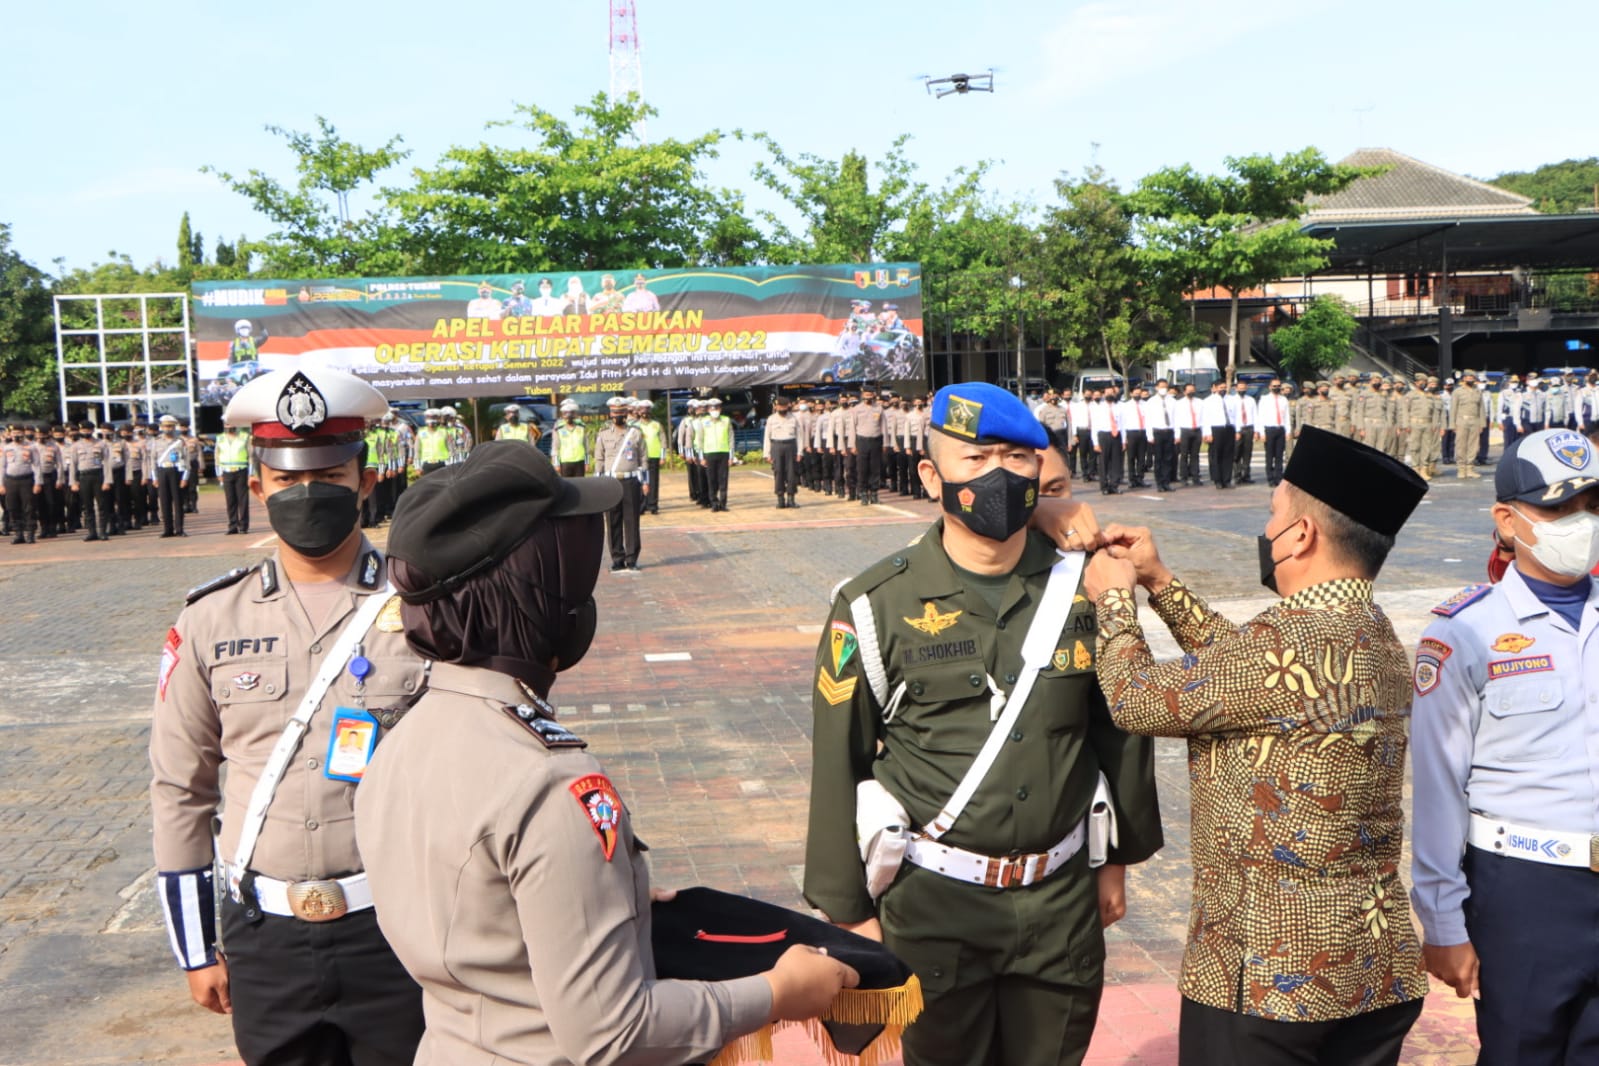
(980, 413)
(1547, 468)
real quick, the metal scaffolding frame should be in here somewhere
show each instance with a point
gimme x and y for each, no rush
(146, 399)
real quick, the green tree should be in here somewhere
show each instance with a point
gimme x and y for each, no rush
(318, 230)
(186, 257)
(225, 256)
(1557, 188)
(575, 195)
(1239, 230)
(28, 383)
(1320, 341)
(1112, 303)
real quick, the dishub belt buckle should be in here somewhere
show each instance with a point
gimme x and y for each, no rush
(317, 901)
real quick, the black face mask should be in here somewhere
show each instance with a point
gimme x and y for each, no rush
(993, 506)
(1268, 565)
(314, 518)
(620, 420)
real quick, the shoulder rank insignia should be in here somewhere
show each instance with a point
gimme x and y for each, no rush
(269, 577)
(550, 733)
(835, 692)
(371, 566)
(932, 622)
(232, 577)
(1461, 600)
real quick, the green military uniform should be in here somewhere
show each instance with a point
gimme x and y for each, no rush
(1022, 967)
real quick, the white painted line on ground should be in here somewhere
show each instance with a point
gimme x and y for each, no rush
(1157, 499)
(762, 473)
(896, 510)
(669, 657)
(270, 537)
(636, 708)
(1454, 560)
(601, 708)
(810, 630)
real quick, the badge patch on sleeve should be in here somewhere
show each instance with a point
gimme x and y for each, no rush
(598, 798)
(835, 692)
(843, 645)
(1426, 675)
(169, 661)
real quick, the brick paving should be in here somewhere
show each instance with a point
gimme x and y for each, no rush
(712, 752)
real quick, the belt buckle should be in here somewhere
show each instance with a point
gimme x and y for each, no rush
(317, 901)
(1593, 854)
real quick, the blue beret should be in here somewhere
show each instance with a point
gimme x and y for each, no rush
(980, 413)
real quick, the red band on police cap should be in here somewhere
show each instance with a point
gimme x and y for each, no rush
(275, 430)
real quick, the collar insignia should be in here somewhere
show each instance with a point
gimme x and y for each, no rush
(932, 622)
(369, 570)
(301, 405)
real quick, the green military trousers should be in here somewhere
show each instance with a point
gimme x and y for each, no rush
(1011, 977)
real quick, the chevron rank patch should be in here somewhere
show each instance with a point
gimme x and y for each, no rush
(835, 692)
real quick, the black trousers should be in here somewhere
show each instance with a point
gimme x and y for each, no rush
(696, 482)
(1165, 458)
(236, 491)
(574, 469)
(1110, 461)
(621, 524)
(1243, 454)
(1446, 451)
(716, 479)
(372, 506)
(1276, 442)
(91, 502)
(848, 473)
(19, 505)
(869, 464)
(1221, 456)
(1482, 445)
(71, 504)
(169, 490)
(1539, 1006)
(1207, 1036)
(785, 468)
(1137, 452)
(428, 468)
(1188, 441)
(114, 493)
(191, 491)
(318, 993)
(1086, 455)
(652, 494)
(913, 461)
(152, 500)
(47, 508)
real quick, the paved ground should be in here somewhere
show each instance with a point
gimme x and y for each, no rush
(711, 751)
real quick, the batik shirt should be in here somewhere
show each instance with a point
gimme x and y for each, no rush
(1296, 725)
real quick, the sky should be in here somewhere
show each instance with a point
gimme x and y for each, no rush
(111, 110)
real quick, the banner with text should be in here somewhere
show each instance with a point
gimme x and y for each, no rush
(617, 331)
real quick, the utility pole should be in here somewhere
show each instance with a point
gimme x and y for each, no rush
(627, 62)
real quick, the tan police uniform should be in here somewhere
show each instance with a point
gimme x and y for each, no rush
(527, 925)
(310, 977)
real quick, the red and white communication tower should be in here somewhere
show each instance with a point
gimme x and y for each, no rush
(627, 64)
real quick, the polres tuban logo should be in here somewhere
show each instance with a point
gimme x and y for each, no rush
(1570, 448)
(301, 405)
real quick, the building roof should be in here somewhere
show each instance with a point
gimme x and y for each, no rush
(1410, 189)
(1551, 242)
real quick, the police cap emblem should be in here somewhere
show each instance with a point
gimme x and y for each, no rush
(301, 406)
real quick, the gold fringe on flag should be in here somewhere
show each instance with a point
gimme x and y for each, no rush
(892, 1008)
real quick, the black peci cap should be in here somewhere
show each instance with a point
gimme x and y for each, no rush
(1359, 482)
(459, 520)
(706, 935)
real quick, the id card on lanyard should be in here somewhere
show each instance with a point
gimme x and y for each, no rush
(353, 735)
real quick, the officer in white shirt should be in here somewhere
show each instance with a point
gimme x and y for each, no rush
(1108, 439)
(1189, 414)
(1245, 417)
(1135, 436)
(1504, 739)
(1218, 416)
(1274, 412)
(1077, 415)
(1160, 412)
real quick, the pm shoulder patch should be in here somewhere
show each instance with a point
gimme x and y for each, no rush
(232, 577)
(1461, 600)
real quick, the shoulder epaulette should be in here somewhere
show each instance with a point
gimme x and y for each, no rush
(873, 576)
(232, 577)
(1461, 600)
(547, 731)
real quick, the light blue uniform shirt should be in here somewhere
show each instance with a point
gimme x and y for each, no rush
(1505, 724)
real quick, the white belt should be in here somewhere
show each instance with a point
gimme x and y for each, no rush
(1011, 871)
(313, 901)
(1551, 846)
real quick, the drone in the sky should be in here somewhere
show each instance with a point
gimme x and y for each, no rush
(960, 83)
